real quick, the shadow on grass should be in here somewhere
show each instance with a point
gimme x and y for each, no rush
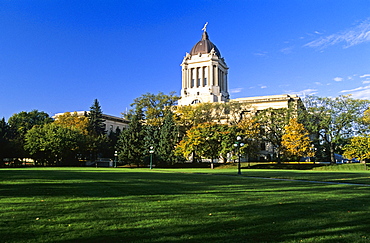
(103, 206)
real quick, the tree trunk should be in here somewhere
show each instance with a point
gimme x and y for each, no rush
(332, 156)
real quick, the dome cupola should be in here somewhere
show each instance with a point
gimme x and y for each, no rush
(204, 74)
(204, 46)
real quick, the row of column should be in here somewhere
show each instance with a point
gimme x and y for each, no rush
(198, 77)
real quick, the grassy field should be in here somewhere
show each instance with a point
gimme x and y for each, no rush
(182, 205)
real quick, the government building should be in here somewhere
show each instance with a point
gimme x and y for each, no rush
(205, 79)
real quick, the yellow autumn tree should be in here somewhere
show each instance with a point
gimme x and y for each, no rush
(359, 147)
(366, 117)
(295, 140)
(207, 140)
(73, 120)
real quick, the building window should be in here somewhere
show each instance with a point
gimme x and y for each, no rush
(192, 83)
(195, 102)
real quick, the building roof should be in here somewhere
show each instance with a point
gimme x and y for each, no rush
(204, 46)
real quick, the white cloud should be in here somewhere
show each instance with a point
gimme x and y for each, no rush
(364, 94)
(263, 87)
(261, 54)
(318, 83)
(359, 93)
(365, 75)
(237, 90)
(287, 50)
(338, 79)
(351, 37)
(303, 92)
(366, 82)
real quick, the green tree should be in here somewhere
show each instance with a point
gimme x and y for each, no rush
(168, 139)
(295, 141)
(97, 141)
(20, 124)
(131, 142)
(272, 122)
(53, 144)
(154, 107)
(113, 137)
(5, 144)
(334, 120)
(96, 122)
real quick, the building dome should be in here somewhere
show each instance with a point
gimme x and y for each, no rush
(204, 46)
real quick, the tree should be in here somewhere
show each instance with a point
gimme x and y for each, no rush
(5, 144)
(168, 138)
(54, 144)
(20, 124)
(250, 132)
(131, 142)
(113, 138)
(359, 147)
(207, 140)
(97, 140)
(96, 121)
(73, 120)
(334, 120)
(295, 141)
(153, 106)
(272, 123)
(192, 115)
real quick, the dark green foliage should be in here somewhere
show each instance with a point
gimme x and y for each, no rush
(131, 142)
(20, 124)
(168, 138)
(97, 141)
(5, 144)
(51, 144)
(153, 106)
(113, 137)
(96, 121)
(24, 121)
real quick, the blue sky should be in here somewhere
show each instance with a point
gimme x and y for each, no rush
(58, 56)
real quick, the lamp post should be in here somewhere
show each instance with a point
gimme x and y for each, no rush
(115, 158)
(238, 144)
(151, 151)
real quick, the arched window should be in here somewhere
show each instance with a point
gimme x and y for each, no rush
(195, 102)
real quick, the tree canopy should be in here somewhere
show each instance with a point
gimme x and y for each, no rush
(153, 107)
(96, 122)
(334, 120)
(295, 141)
(54, 144)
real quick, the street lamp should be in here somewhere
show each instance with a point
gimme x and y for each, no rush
(115, 158)
(151, 151)
(238, 144)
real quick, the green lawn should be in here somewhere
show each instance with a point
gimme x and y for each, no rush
(182, 205)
